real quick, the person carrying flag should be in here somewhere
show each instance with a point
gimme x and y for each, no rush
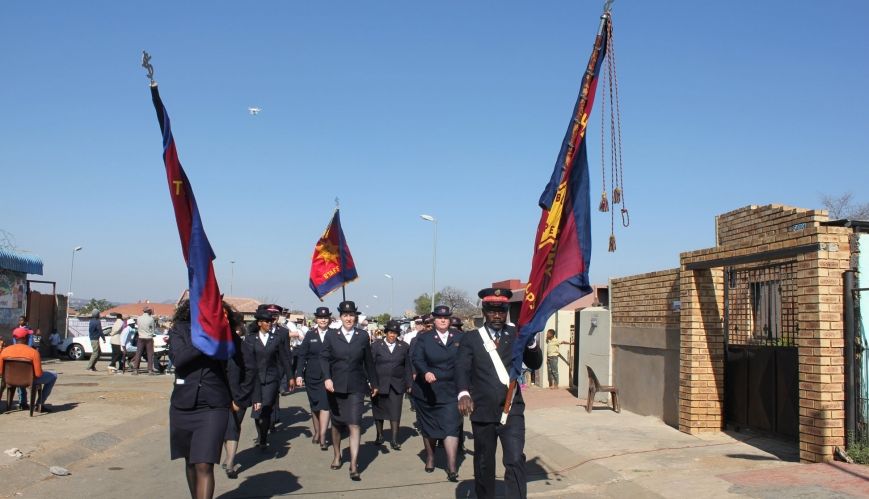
(482, 363)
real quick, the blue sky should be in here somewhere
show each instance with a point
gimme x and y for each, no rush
(455, 109)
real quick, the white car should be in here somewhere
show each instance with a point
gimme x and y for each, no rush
(79, 347)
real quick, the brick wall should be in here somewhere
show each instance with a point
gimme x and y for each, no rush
(646, 299)
(744, 225)
(821, 344)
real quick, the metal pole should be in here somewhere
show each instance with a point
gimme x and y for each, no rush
(434, 262)
(231, 277)
(392, 297)
(850, 331)
(69, 289)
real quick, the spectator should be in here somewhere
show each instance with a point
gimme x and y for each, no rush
(115, 341)
(44, 378)
(95, 332)
(129, 337)
(55, 342)
(145, 342)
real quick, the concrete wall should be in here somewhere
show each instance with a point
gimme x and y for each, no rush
(595, 349)
(646, 370)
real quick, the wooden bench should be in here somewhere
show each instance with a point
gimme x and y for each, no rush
(594, 387)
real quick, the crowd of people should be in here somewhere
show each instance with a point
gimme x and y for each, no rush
(448, 375)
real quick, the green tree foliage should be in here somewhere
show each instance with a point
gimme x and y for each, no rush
(96, 304)
(382, 319)
(456, 299)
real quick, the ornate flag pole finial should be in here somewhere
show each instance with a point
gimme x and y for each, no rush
(608, 6)
(146, 63)
(337, 203)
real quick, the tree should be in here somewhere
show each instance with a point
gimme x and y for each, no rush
(456, 299)
(383, 318)
(94, 304)
(843, 207)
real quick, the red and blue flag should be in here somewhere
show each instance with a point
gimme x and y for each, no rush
(209, 326)
(562, 248)
(332, 264)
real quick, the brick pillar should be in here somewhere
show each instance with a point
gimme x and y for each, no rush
(701, 355)
(821, 346)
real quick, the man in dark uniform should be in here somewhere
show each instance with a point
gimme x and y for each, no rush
(482, 386)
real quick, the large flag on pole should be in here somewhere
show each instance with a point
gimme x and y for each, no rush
(209, 327)
(332, 264)
(562, 248)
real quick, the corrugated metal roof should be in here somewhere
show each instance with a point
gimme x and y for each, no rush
(20, 262)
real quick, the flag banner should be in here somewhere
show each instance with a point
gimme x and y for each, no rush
(332, 264)
(209, 326)
(562, 248)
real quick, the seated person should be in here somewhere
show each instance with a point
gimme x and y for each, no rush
(47, 379)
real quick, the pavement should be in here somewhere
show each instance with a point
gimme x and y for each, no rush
(111, 433)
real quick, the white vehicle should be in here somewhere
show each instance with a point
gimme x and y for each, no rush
(79, 347)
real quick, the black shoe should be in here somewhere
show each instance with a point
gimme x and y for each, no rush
(324, 447)
(45, 409)
(395, 445)
(231, 473)
(23, 407)
(354, 475)
(452, 476)
(378, 441)
(429, 470)
(336, 466)
(94, 369)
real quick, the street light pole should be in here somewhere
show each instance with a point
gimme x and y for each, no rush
(434, 256)
(392, 297)
(231, 276)
(69, 289)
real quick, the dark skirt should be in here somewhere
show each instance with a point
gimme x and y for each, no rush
(438, 420)
(197, 435)
(269, 393)
(317, 396)
(346, 408)
(387, 405)
(233, 425)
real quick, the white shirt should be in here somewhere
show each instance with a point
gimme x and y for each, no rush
(409, 336)
(322, 334)
(264, 337)
(444, 336)
(390, 346)
(347, 334)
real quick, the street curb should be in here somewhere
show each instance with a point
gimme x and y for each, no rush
(34, 467)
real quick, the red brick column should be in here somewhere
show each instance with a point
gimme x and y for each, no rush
(701, 356)
(821, 345)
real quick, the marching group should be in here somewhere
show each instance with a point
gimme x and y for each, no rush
(447, 373)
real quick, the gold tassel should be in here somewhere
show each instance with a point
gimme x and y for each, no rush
(617, 195)
(612, 247)
(604, 204)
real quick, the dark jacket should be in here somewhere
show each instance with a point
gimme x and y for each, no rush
(430, 355)
(199, 380)
(241, 378)
(95, 329)
(393, 369)
(349, 365)
(308, 355)
(266, 361)
(476, 374)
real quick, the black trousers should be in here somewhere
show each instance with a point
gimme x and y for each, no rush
(512, 436)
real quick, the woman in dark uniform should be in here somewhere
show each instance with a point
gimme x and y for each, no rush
(265, 352)
(240, 388)
(200, 404)
(349, 374)
(434, 389)
(392, 362)
(310, 374)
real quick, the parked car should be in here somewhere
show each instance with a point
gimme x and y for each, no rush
(79, 347)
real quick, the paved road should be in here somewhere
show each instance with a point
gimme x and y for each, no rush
(111, 432)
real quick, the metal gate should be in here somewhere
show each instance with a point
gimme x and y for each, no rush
(761, 374)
